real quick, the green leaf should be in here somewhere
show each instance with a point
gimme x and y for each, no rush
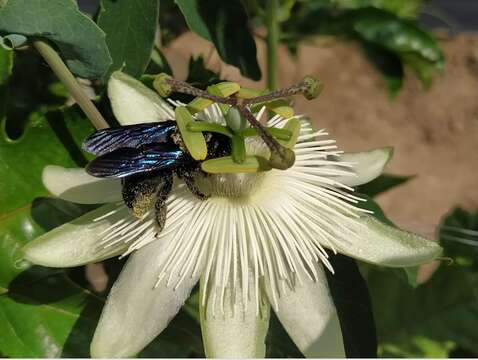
(158, 64)
(383, 183)
(198, 75)
(6, 65)
(458, 235)
(130, 27)
(81, 43)
(42, 313)
(402, 8)
(428, 321)
(423, 68)
(440, 315)
(51, 138)
(225, 24)
(389, 65)
(278, 342)
(397, 35)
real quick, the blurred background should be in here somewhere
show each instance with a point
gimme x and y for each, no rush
(400, 73)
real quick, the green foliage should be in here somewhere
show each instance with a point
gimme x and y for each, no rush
(42, 313)
(81, 43)
(278, 342)
(225, 24)
(402, 8)
(459, 238)
(439, 316)
(352, 301)
(130, 28)
(51, 138)
(387, 30)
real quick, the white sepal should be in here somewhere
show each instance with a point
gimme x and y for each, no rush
(135, 103)
(77, 186)
(77, 242)
(136, 311)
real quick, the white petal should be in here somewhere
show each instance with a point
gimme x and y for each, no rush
(136, 311)
(77, 242)
(134, 103)
(368, 165)
(237, 331)
(385, 245)
(77, 186)
(309, 316)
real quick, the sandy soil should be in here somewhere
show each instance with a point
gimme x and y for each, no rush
(435, 132)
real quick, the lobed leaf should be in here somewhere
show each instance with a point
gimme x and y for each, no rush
(224, 23)
(80, 41)
(130, 28)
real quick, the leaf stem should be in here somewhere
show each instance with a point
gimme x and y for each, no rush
(71, 84)
(273, 33)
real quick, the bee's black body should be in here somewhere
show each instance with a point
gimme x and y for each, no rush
(145, 157)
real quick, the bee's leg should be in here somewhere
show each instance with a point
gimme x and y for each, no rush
(160, 205)
(188, 178)
(139, 193)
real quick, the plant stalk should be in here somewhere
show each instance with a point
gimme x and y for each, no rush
(273, 33)
(71, 84)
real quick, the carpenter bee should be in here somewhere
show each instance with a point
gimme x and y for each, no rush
(145, 157)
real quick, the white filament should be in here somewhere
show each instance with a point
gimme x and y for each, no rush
(256, 232)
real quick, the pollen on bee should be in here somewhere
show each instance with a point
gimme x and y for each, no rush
(142, 205)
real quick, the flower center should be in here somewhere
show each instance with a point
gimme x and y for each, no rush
(236, 185)
(230, 185)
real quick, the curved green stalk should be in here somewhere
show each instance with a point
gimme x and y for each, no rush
(273, 33)
(71, 84)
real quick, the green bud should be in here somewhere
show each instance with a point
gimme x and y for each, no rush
(235, 121)
(161, 85)
(314, 87)
(238, 147)
(282, 161)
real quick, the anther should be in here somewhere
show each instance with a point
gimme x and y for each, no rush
(310, 87)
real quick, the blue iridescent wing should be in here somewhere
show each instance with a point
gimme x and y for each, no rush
(130, 136)
(129, 161)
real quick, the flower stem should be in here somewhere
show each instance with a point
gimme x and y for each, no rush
(272, 42)
(71, 84)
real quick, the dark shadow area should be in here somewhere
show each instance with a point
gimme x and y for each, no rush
(77, 343)
(113, 268)
(278, 342)
(351, 298)
(50, 213)
(40, 285)
(462, 353)
(56, 120)
(32, 87)
(181, 339)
